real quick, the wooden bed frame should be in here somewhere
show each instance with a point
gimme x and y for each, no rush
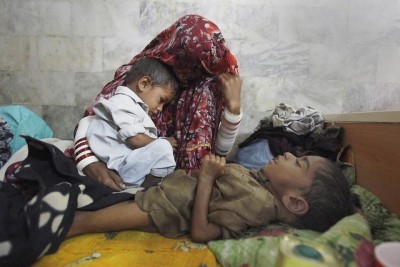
(375, 139)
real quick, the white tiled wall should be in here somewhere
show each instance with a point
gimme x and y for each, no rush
(334, 55)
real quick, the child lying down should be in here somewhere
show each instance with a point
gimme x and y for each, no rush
(223, 200)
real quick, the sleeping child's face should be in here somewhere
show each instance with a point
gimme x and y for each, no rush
(289, 175)
(156, 97)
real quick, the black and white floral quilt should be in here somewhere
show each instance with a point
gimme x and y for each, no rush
(33, 225)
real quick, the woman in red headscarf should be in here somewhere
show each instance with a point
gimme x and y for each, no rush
(205, 116)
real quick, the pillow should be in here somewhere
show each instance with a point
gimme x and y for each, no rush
(350, 239)
(385, 226)
(23, 121)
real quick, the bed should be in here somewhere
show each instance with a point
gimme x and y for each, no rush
(370, 159)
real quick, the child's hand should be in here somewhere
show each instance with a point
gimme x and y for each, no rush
(172, 141)
(212, 167)
(231, 88)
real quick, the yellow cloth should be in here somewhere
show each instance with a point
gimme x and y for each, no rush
(129, 248)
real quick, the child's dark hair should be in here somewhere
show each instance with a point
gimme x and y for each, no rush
(160, 73)
(329, 199)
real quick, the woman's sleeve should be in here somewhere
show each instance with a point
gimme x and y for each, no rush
(227, 132)
(83, 154)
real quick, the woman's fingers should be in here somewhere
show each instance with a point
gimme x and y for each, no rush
(231, 89)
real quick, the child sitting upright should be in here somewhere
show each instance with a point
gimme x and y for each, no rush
(123, 135)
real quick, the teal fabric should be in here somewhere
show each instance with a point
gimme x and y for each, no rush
(23, 121)
(6, 137)
(255, 155)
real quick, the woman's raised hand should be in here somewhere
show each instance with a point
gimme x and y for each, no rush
(231, 89)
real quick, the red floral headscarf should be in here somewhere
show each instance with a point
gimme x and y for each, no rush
(196, 51)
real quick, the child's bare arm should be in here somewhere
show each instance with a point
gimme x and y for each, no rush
(139, 140)
(202, 230)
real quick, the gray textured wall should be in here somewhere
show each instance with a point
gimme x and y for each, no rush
(334, 55)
